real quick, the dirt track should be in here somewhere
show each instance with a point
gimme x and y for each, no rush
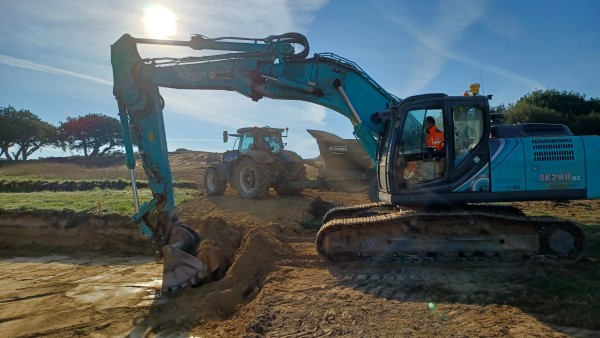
(276, 285)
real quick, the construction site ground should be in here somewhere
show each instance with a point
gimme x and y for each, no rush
(274, 284)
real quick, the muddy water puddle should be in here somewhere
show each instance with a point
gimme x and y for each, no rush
(54, 294)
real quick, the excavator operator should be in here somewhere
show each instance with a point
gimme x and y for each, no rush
(435, 137)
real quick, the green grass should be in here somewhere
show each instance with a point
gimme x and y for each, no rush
(569, 295)
(29, 185)
(112, 201)
(582, 212)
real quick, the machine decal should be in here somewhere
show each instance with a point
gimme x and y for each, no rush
(338, 150)
(192, 75)
(558, 177)
(470, 183)
(504, 151)
(499, 150)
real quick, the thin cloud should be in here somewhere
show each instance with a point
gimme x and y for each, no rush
(26, 64)
(85, 53)
(434, 37)
(439, 39)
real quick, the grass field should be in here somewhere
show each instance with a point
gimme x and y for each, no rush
(40, 172)
(111, 201)
(44, 170)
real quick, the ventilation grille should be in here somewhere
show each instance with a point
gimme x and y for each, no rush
(554, 149)
(543, 129)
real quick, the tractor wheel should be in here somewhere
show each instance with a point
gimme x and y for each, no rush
(252, 179)
(300, 175)
(213, 184)
(374, 190)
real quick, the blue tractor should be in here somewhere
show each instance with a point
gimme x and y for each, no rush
(257, 163)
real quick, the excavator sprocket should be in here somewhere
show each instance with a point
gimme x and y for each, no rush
(377, 231)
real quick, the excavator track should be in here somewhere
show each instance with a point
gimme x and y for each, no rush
(381, 232)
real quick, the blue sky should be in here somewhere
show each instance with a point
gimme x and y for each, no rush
(55, 55)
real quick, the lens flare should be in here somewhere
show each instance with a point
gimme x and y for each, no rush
(159, 21)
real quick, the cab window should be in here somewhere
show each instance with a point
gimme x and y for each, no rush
(468, 130)
(247, 141)
(421, 151)
(275, 143)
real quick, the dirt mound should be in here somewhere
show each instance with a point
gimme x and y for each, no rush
(312, 215)
(219, 243)
(250, 255)
(254, 260)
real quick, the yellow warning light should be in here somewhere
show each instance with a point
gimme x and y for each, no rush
(150, 136)
(474, 88)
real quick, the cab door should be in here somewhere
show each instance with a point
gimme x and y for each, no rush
(469, 170)
(422, 174)
(418, 163)
(384, 156)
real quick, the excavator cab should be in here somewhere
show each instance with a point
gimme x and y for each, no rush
(417, 167)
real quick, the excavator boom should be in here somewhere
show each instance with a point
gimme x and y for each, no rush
(256, 68)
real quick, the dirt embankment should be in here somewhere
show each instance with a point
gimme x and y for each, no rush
(62, 232)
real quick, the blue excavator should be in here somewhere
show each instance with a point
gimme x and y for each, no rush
(434, 201)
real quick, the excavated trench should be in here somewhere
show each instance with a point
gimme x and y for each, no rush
(245, 254)
(38, 232)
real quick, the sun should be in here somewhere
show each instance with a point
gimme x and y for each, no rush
(159, 21)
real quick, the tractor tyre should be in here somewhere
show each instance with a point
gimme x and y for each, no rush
(374, 190)
(213, 184)
(252, 179)
(283, 188)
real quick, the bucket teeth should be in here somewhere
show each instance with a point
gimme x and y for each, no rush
(180, 268)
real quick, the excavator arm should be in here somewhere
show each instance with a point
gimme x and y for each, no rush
(255, 68)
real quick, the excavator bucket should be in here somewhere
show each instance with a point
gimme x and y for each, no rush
(181, 267)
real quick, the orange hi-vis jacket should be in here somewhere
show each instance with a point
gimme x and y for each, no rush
(435, 138)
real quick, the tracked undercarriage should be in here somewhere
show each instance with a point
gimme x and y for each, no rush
(379, 231)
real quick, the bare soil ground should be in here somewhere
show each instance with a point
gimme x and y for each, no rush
(275, 286)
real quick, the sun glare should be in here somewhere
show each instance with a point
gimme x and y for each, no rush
(159, 21)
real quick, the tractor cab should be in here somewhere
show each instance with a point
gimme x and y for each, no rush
(431, 145)
(267, 139)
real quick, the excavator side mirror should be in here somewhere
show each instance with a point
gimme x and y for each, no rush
(225, 136)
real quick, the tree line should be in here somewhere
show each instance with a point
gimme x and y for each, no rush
(97, 135)
(23, 132)
(570, 108)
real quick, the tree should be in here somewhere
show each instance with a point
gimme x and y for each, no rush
(579, 114)
(568, 103)
(90, 133)
(523, 112)
(499, 109)
(7, 136)
(24, 129)
(586, 124)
